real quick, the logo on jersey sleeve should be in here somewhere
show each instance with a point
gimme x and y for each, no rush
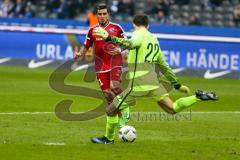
(112, 30)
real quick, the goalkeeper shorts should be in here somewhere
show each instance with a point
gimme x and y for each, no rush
(128, 97)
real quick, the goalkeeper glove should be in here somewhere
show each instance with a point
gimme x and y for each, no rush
(100, 32)
(181, 88)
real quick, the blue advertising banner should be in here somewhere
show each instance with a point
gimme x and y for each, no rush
(202, 55)
(187, 54)
(30, 45)
(178, 53)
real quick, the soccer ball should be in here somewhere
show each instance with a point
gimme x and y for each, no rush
(127, 134)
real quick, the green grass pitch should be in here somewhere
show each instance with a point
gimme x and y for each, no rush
(212, 132)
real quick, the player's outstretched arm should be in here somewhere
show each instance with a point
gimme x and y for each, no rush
(168, 73)
(132, 43)
(123, 42)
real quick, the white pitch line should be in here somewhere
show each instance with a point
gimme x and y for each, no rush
(45, 113)
(225, 112)
(54, 143)
(25, 113)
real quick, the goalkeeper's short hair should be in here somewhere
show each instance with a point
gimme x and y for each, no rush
(140, 20)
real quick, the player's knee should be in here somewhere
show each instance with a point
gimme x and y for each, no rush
(167, 108)
(114, 85)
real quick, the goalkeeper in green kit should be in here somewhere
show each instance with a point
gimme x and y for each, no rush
(144, 57)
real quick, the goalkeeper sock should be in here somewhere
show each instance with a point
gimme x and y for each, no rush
(111, 126)
(125, 117)
(183, 103)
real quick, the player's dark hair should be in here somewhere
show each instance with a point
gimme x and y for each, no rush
(102, 6)
(140, 20)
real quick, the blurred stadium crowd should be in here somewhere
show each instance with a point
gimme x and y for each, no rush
(174, 12)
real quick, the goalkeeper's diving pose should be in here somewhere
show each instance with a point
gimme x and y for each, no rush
(144, 57)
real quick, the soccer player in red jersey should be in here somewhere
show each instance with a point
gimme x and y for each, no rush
(108, 61)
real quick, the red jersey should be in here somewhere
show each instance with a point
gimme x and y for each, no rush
(104, 61)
